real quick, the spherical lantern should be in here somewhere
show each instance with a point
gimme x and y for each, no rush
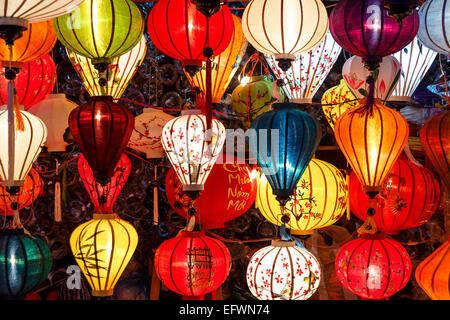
(319, 200)
(54, 110)
(102, 248)
(120, 72)
(308, 70)
(433, 273)
(435, 138)
(292, 137)
(337, 100)
(229, 192)
(283, 271)
(409, 197)
(146, 136)
(180, 31)
(373, 266)
(192, 264)
(25, 262)
(101, 129)
(355, 75)
(191, 148)
(434, 27)
(365, 29)
(371, 139)
(104, 197)
(285, 28)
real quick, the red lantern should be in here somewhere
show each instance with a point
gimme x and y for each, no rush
(35, 80)
(229, 192)
(373, 266)
(409, 197)
(192, 264)
(101, 129)
(104, 197)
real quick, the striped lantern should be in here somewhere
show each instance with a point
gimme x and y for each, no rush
(434, 29)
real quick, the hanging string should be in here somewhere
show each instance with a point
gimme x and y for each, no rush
(50, 171)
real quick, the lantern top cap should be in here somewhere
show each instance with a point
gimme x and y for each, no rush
(376, 236)
(101, 98)
(191, 111)
(55, 96)
(283, 243)
(285, 105)
(192, 234)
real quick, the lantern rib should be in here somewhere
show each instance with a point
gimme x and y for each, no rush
(354, 246)
(394, 245)
(122, 266)
(389, 266)
(264, 27)
(248, 26)
(441, 143)
(96, 253)
(257, 267)
(378, 181)
(282, 24)
(111, 257)
(170, 264)
(291, 293)
(356, 166)
(94, 41)
(273, 273)
(6, 249)
(207, 246)
(42, 276)
(21, 172)
(325, 193)
(369, 252)
(444, 33)
(436, 267)
(25, 272)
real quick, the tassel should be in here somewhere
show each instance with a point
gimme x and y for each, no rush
(11, 134)
(57, 212)
(20, 126)
(16, 224)
(369, 226)
(410, 156)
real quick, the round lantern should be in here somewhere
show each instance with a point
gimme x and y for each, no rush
(308, 70)
(319, 200)
(409, 197)
(355, 75)
(435, 138)
(337, 100)
(54, 110)
(292, 137)
(283, 271)
(191, 148)
(192, 264)
(371, 139)
(101, 129)
(120, 72)
(434, 29)
(25, 262)
(251, 99)
(104, 197)
(102, 248)
(373, 266)
(365, 29)
(224, 65)
(229, 192)
(433, 273)
(285, 28)
(181, 31)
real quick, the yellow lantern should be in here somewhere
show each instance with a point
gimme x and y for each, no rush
(102, 248)
(319, 200)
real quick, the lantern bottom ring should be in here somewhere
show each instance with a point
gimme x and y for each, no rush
(400, 98)
(14, 22)
(102, 293)
(193, 187)
(98, 216)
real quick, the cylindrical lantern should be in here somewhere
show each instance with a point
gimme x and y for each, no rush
(191, 148)
(283, 271)
(25, 262)
(373, 266)
(192, 264)
(54, 110)
(434, 30)
(409, 197)
(319, 200)
(284, 28)
(102, 248)
(308, 70)
(101, 129)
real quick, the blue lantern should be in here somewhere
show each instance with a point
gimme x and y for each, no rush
(284, 141)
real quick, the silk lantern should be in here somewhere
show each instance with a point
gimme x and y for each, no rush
(229, 192)
(373, 266)
(434, 27)
(192, 264)
(101, 129)
(365, 29)
(319, 200)
(308, 70)
(285, 28)
(433, 273)
(191, 148)
(283, 271)
(284, 140)
(104, 197)
(102, 248)
(25, 262)
(409, 197)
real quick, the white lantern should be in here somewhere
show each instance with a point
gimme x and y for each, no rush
(283, 271)
(191, 148)
(434, 27)
(355, 75)
(285, 28)
(17, 156)
(308, 71)
(415, 60)
(146, 136)
(54, 110)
